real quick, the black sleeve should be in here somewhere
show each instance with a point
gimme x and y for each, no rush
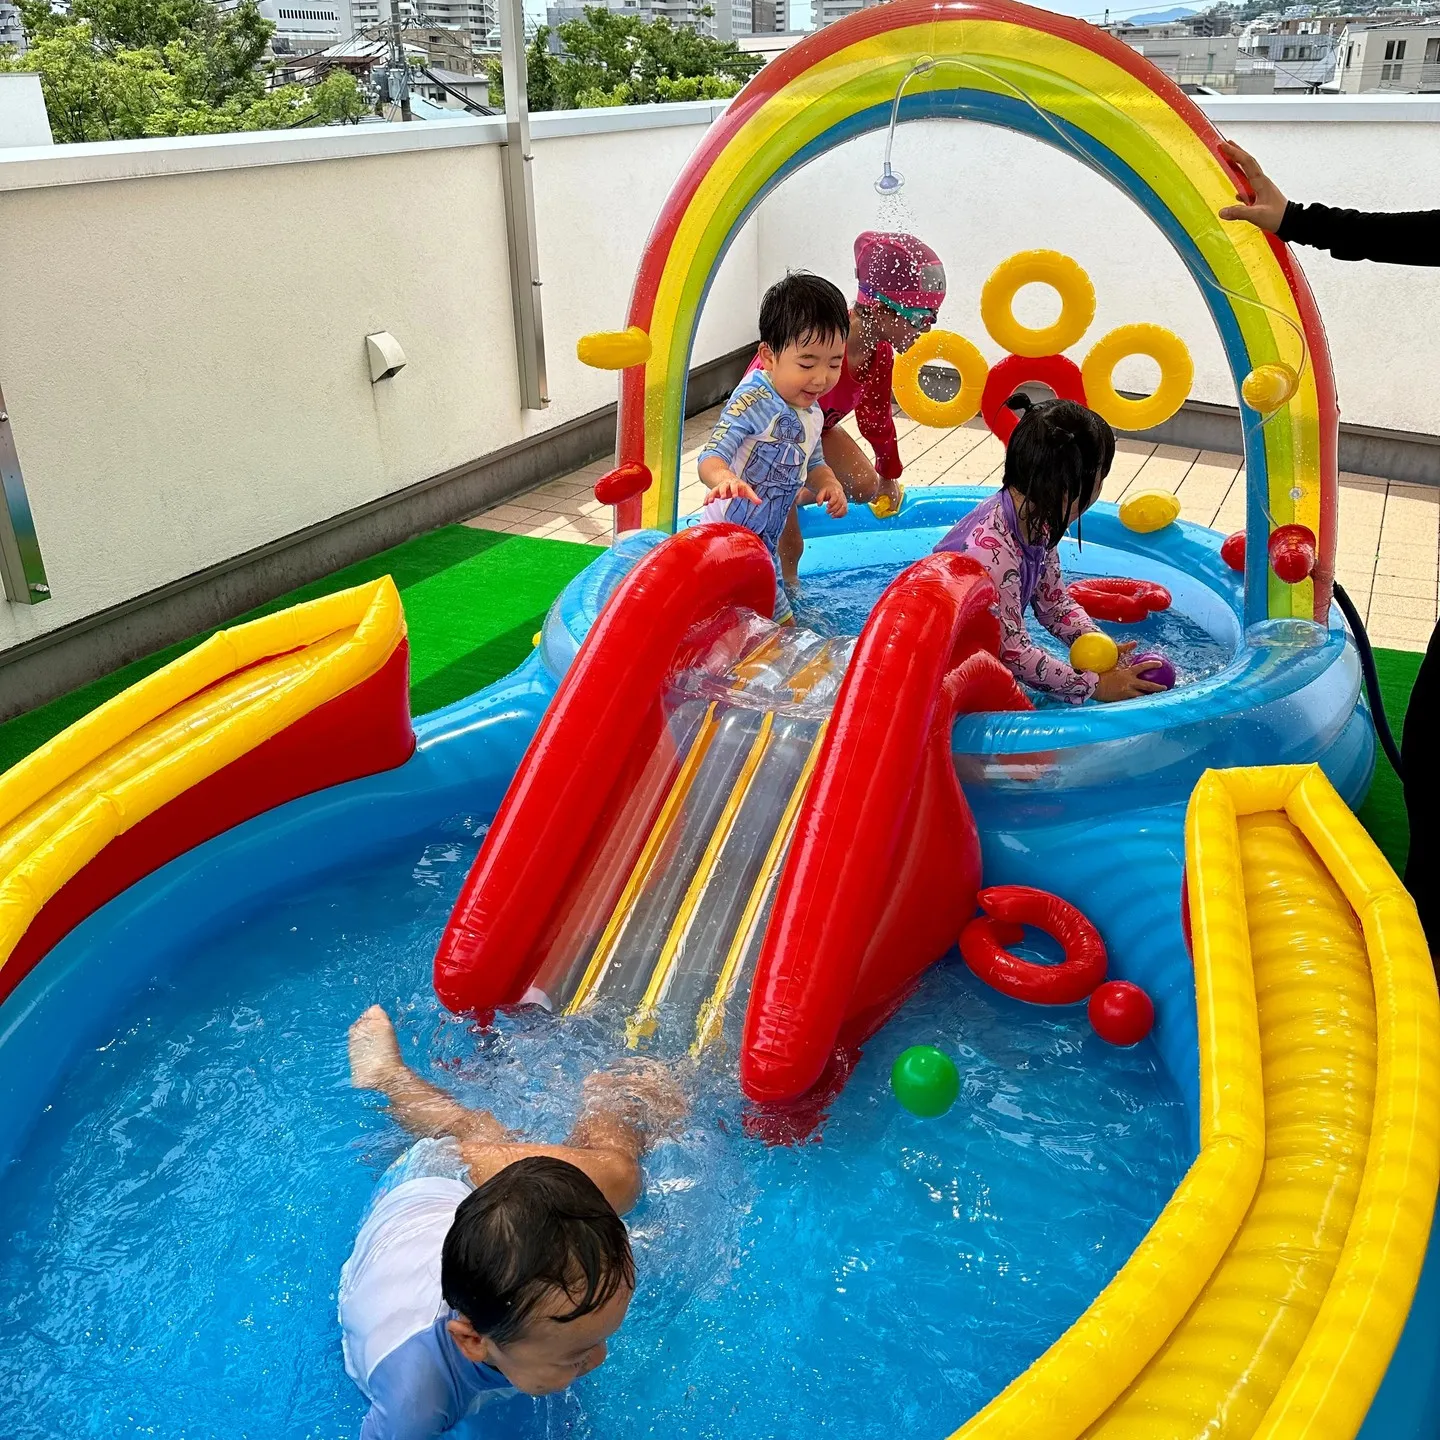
(1404, 238)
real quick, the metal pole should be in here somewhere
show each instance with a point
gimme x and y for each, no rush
(515, 160)
(22, 569)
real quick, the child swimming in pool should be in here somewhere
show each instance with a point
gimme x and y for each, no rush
(766, 446)
(1058, 457)
(488, 1266)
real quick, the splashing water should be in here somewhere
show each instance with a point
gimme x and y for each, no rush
(178, 1220)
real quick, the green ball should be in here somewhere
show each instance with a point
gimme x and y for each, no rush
(925, 1080)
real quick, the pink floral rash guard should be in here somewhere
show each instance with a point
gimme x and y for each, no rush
(991, 535)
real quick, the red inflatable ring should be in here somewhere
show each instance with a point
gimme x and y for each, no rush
(1055, 371)
(1006, 907)
(1124, 602)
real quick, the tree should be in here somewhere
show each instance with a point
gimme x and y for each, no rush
(608, 58)
(123, 69)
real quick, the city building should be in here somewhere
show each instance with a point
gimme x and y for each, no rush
(768, 17)
(827, 12)
(1299, 62)
(769, 44)
(305, 25)
(446, 47)
(450, 89)
(12, 32)
(1402, 57)
(1204, 63)
(559, 14)
(478, 17)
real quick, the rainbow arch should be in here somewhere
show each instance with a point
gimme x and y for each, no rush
(1065, 83)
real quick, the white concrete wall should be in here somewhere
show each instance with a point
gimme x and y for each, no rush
(184, 359)
(978, 194)
(182, 321)
(23, 120)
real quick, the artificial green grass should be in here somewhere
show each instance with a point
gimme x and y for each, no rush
(1383, 813)
(473, 601)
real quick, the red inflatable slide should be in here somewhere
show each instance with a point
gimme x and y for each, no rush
(848, 861)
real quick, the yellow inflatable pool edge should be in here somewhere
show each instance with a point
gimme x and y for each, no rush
(1330, 1381)
(63, 803)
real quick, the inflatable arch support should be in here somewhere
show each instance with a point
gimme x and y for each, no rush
(1057, 80)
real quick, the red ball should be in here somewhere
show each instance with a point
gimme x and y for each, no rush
(1292, 553)
(1232, 552)
(1121, 1012)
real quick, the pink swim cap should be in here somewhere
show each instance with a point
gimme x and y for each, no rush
(901, 268)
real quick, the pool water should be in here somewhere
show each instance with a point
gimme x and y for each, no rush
(179, 1217)
(840, 602)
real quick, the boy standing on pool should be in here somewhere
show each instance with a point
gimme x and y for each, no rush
(766, 447)
(488, 1266)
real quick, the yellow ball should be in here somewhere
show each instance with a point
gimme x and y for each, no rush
(1267, 387)
(1149, 511)
(535, 640)
(1095, 652)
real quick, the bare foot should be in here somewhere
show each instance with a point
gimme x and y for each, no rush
(374, 1050)
(644, 1094)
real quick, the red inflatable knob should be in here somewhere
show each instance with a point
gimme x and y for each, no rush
(1232, 552)
(623, 482)
(1121, 1013)
(1292, 553)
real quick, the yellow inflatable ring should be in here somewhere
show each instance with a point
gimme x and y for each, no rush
(956, 350)
(1037, 267)
(1165, 348)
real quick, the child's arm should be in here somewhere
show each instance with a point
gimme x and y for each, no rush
(822, 487)
(741, 418)
(722, 482)
(1054, 608)
(876, 417)
(1035, 667)
(1066, 620)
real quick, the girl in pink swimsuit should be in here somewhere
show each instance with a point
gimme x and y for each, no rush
(1055, 464)
(901, 284)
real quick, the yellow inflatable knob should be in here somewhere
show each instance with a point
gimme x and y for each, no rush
(884, 506)
(1094, 652)
(1267, 387)
(535, 640)
(614, 349)
(1149, 511)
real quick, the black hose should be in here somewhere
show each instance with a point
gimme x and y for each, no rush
(1372, 680)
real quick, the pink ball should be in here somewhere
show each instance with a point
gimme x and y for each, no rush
(1121, 1012)
(1161, 674)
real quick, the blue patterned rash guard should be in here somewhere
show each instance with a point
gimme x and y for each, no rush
(771, 446)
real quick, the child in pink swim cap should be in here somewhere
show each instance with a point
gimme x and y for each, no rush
(901, 286)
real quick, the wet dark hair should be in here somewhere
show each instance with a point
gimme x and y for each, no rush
(1059, 453)
(540, 1225)
(802, 306)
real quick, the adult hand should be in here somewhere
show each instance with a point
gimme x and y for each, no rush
(1126, 682)
(1267, 209)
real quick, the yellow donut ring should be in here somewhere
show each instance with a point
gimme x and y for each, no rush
(1165, 348)
(1037, 267)
(957, 351)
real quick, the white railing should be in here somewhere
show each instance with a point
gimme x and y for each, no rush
(182, 322)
